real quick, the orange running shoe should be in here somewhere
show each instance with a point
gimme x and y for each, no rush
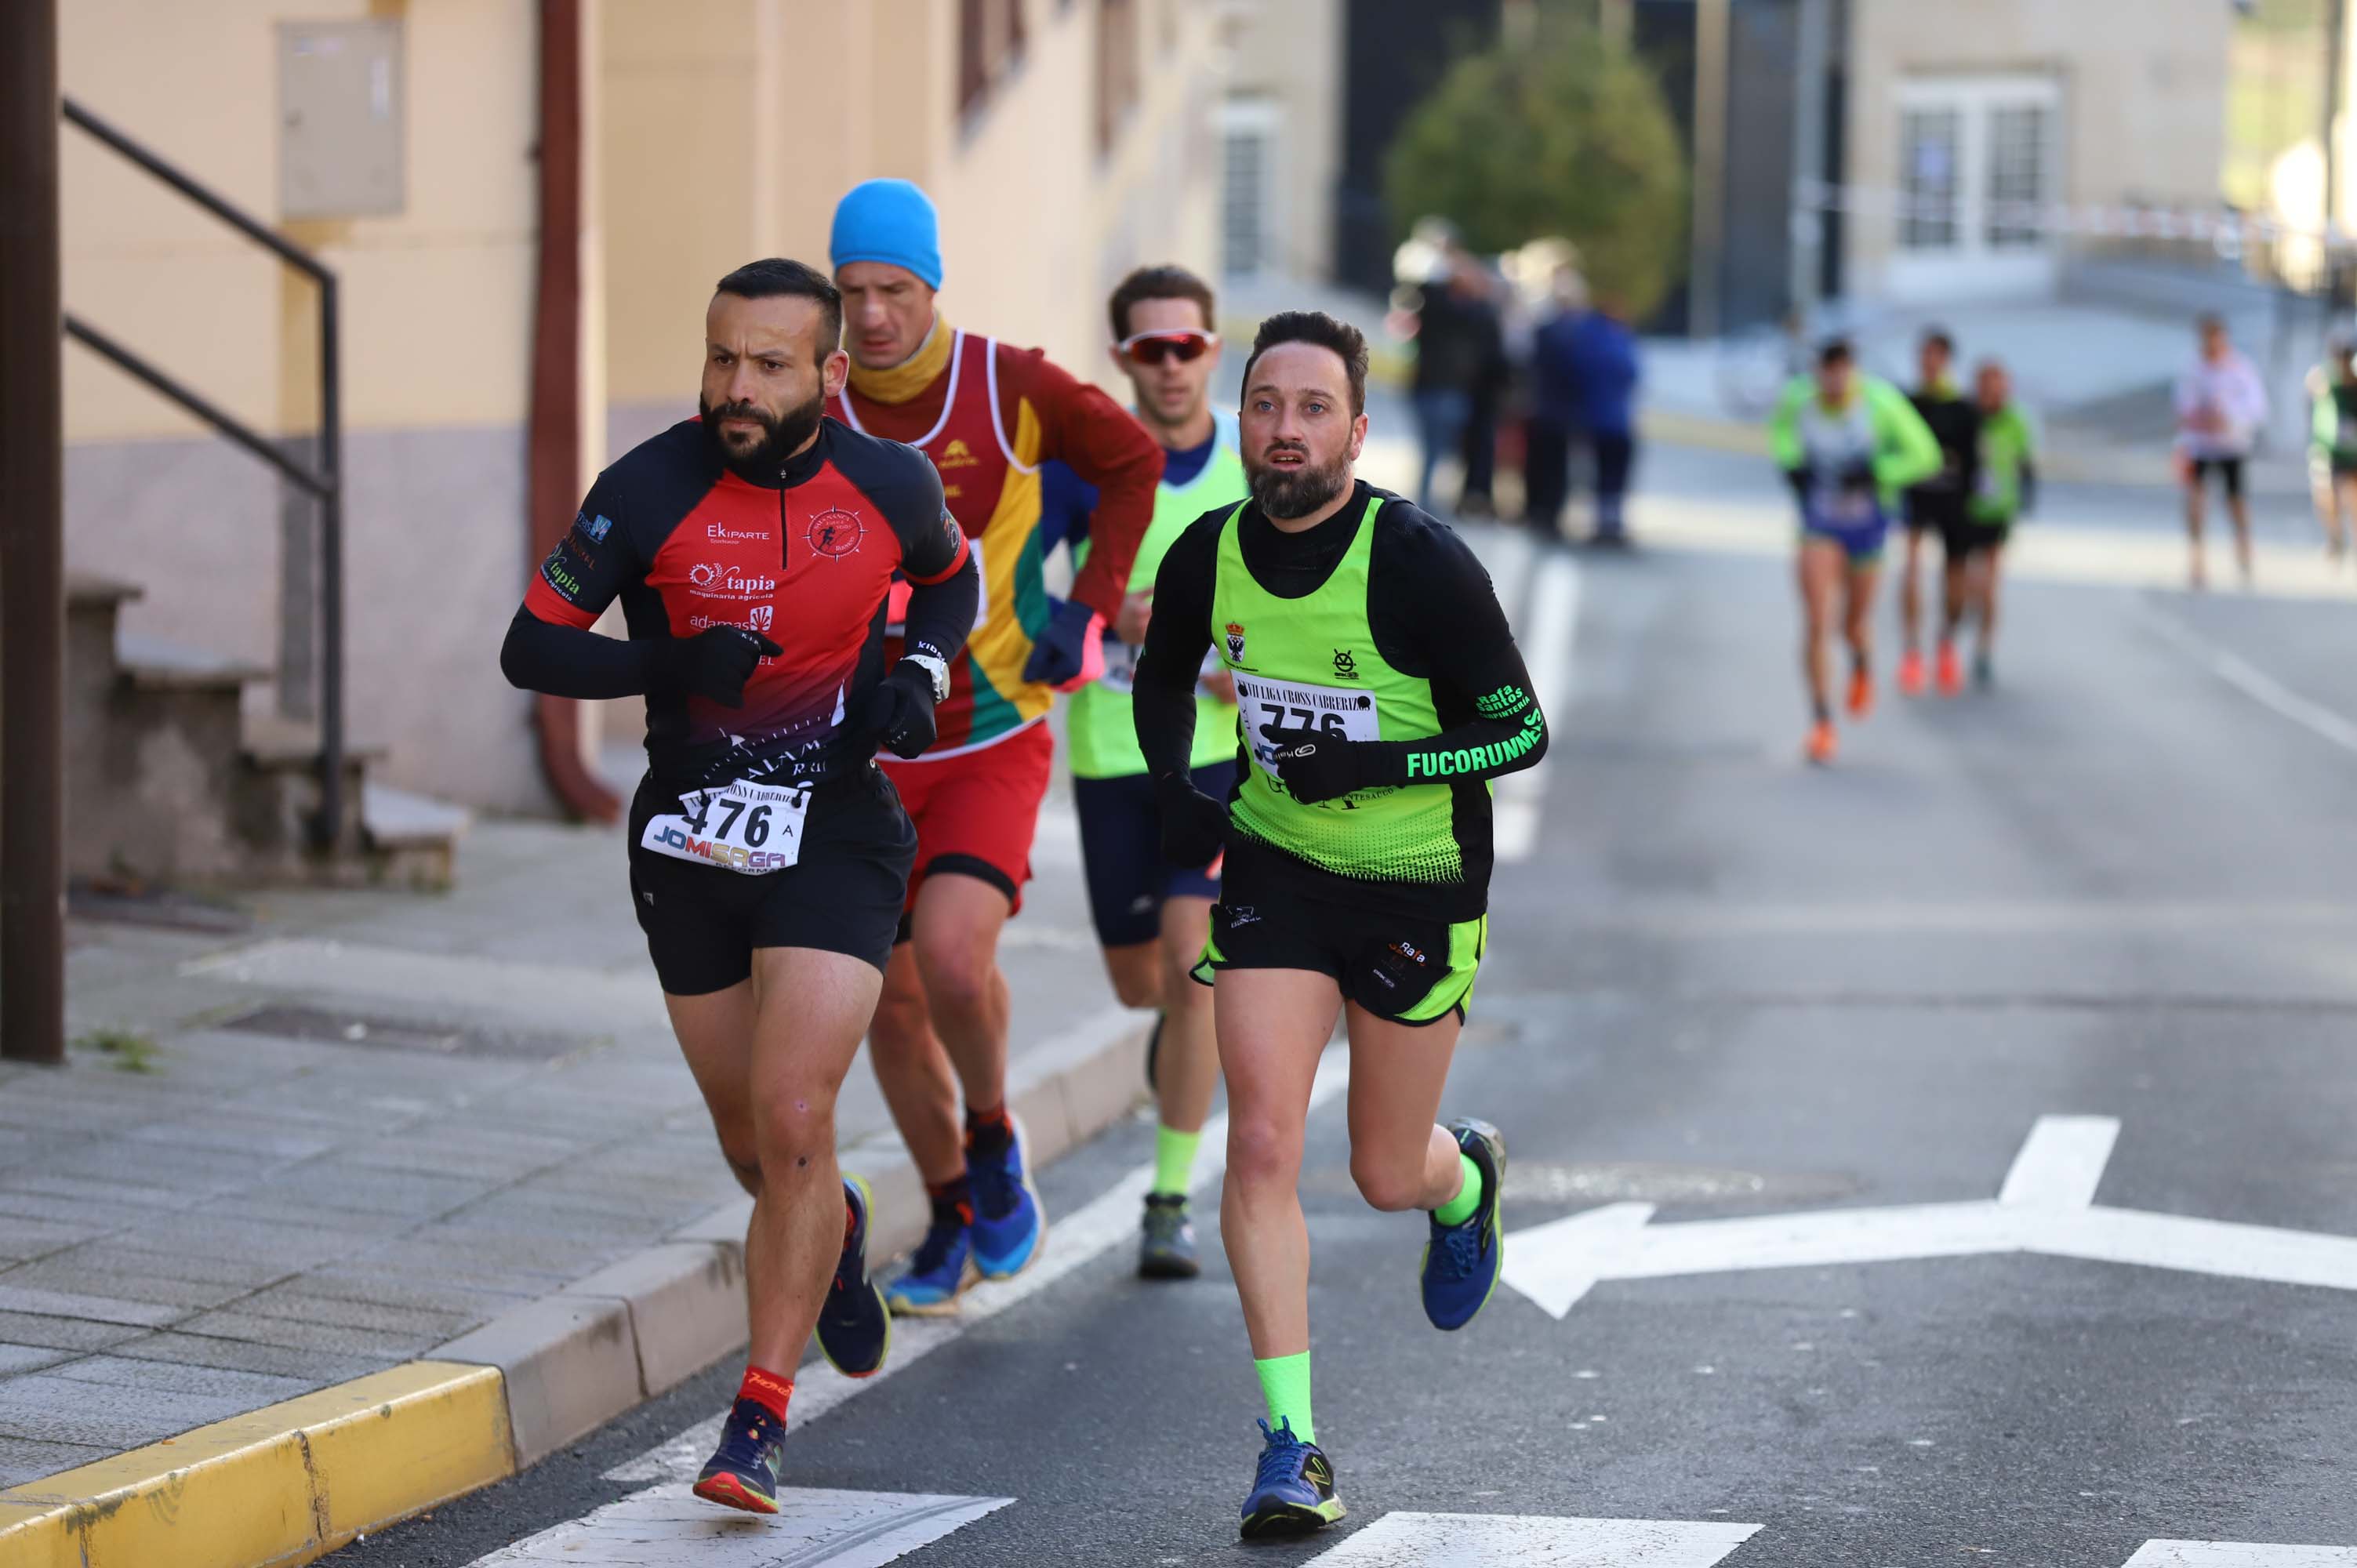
(1910, 673)
(1861, 693)
(1951, 670)
(1822, 742)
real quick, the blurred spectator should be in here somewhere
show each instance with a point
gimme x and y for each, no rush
(1489, 390)
(1457, 343)
(1554, 425)
(1584, 375)
(2221, 406)
(1604, 362)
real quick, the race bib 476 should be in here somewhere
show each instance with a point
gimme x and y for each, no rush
(752, 829)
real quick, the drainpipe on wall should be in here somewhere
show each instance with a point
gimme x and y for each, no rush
(554, 481)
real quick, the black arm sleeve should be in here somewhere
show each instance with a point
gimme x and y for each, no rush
(570, 661)
(940, 613)
(1162, 703)
(1435, 585)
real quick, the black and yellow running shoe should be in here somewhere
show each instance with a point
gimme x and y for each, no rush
(1293, 1492)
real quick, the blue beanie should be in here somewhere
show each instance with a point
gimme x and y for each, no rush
(888, 221)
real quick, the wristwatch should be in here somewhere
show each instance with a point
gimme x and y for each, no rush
(934, 667)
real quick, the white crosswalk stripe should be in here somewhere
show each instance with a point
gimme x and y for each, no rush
(664, 1526)
(1491, 1541)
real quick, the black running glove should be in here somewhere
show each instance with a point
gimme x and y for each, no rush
(714, 664)
(897, 717)
(1325, 769)
(1194, 826)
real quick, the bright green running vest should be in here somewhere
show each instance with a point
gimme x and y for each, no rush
(1309, 667)
(1101, 735)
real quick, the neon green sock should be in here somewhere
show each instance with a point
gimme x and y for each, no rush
(1458, 1210)
(1285, 1383)
(1174, 1159)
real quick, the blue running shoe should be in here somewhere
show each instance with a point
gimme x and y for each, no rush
(1009, 1226)
(939, 1270)
(1293, 1493)
(743, 1472)
(854, 1326)
(1460, 1261)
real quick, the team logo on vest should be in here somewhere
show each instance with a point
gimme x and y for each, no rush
(712, 581)
(1346, 666)
(955, 455)
(1235, 643)
(834, 534)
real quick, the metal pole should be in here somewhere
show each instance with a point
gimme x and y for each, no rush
(1702, 289)
(331, 578)
(32, 546)
(1812, 39)
(2336, 45)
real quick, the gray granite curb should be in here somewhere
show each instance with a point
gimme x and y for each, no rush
(606, 1343)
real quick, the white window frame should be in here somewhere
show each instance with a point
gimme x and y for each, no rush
(1263, 119)
(1972, 268)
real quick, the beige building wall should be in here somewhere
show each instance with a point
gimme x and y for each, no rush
(729, 129)
(1285, 64)
(2140, 85)
(437, 304)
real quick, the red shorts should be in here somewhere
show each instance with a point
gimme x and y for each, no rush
(976, 813)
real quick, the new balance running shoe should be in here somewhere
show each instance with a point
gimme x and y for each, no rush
(1009, 1223)
(1167, 1249)
(1293, 1490)
(854, 1326)
(743, 1472)
(940, 1269)
(1461, 1262)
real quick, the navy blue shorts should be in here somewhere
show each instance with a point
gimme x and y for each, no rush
(1120, 852)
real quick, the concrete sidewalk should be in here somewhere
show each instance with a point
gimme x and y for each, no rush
(372, 1127)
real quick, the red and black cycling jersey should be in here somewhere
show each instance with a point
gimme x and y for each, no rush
(686, 544)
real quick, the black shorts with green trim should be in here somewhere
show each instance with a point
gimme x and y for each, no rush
(1399, 967)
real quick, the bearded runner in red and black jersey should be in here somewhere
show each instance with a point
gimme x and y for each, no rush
(753, 551)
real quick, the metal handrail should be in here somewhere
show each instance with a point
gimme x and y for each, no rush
(324, 484)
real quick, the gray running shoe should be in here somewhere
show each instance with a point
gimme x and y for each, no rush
(1166, 1249)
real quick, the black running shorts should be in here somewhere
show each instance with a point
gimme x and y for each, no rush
(841, 895)
(1397, 967)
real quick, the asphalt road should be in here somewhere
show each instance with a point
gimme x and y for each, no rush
(2119, 886)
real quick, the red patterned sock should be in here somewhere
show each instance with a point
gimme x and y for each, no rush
(988, 1130)
(767, 1390)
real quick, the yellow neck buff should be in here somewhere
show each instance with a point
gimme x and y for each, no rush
(908, 380)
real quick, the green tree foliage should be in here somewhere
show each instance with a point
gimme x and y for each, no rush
(1565, 135)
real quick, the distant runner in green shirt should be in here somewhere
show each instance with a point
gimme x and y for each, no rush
(2333, 443)
(1152, 916)
(1848, 443)
(2003, 481)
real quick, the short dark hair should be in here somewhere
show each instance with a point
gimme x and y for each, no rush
(1834, 352)
(1314, 326)
(774, 276)
(1937, 338)
(2209, 322)
(1159, 283)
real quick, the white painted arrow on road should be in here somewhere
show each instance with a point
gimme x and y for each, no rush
(1494, 1540)
(2046, 1206)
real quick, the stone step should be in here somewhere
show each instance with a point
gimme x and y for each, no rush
(155, 664)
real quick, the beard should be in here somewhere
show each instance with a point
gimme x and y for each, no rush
(781, 436)
(1297, 492)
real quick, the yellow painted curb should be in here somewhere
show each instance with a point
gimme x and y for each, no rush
(282, 1485)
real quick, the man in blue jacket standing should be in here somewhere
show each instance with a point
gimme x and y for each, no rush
(1602, 353)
